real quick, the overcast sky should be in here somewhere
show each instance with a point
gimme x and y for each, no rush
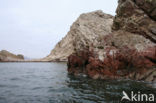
(33, 27)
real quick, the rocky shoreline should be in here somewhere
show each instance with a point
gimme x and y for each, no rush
(129, 51)
(123, 63)
(105, 47)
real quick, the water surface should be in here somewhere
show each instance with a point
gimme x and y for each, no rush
(50, 83)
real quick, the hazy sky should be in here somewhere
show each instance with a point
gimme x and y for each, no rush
(33, 27)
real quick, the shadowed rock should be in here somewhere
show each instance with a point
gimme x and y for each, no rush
(137, 16)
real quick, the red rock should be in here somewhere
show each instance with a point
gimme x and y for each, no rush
(134, 30)
(124, 63)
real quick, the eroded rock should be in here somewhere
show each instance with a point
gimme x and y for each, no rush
(136, 16)
(128, 52)
(125, 63)
(87, 30)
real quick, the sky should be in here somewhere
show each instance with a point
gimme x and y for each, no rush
(33, 27)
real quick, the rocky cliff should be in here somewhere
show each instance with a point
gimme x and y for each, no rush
(137, 16)
(6, 56)
(134, 25)
(128, 52)
(87, 30)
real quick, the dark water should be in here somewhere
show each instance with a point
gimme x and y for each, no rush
(50, 83)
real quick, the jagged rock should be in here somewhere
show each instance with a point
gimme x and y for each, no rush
(124, 64)
(137, 16)
(122, 38)
(87, 30)
(148, 6)
(6, 56)
(125, 53)
(134, 25)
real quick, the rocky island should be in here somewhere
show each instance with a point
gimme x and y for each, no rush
(6, 56)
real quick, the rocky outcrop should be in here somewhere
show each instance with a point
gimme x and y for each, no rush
(125, 63)
(133, 26)
(6, 56)
(128, 52)
(130, 24)
(137, 16)
(87, 30)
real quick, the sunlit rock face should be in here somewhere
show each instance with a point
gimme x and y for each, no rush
(7, 56)
(87, 30)
(128, 52)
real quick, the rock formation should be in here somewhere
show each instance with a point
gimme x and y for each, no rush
(87, 30)
(126, 63)
(134, 25)
(137, 16)
(128, 52)
(6, 56)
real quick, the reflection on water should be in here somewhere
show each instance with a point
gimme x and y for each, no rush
(50, 83)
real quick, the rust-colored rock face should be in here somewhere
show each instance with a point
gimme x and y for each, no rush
(124, 63)
(137, 16)
(77, 62)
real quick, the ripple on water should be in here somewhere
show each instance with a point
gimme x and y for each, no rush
(15, 79)
(50, 83)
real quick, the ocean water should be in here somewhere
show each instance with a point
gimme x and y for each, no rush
(50, 83)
